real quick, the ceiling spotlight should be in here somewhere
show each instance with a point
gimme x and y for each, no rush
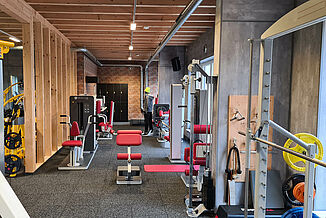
(12, 38)
(133, 26)
(131, 47)
(129, 58)
(146, 27)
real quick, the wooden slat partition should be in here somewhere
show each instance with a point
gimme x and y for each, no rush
(39, 74)
(64, 87)
(29, 97)
(54, 93)
(47, 73)
(59, 88)
(47, 92)
(75, 73)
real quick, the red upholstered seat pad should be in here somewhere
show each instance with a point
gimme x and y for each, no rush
(124, 156)
(129, 139)
(139, 132)
(167, 138)
(72, 143)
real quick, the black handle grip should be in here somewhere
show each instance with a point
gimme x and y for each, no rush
(182, 106)
(63, 123)
(63, 115)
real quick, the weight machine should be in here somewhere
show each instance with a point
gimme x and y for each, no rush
(207, 187)
(307, 14)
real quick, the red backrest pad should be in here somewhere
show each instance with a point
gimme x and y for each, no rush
(74, 131)
(129, 139)
(98, 107)
(137, 132)
(201, 129)
(160, 113)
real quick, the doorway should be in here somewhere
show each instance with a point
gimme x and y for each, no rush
(119, 94)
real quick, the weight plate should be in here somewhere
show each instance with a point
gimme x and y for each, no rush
(12, 164)
(298, 163)
(13, 140)
(298, 192)
(288, 188)
(296, 213)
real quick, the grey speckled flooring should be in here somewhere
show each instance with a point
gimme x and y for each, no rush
(94, 193)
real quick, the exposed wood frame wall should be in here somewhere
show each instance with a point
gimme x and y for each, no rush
(53, 75)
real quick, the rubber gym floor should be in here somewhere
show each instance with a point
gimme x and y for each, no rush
(94, 193)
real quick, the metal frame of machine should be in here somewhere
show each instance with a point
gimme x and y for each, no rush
(307, 14)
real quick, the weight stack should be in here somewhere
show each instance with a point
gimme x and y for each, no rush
(208, 192)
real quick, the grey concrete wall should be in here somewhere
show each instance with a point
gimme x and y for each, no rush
(166, 75)
(242, 20)
(196, 49)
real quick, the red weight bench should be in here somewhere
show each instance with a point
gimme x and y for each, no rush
(76, 146)
(199, 158)
(129, 174)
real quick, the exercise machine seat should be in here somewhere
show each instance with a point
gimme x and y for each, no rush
(201, 129)
(138, 132)
(129, 139)
(194, 172)
(167, 138)
(74, 131)
(72, 143)
(124, 156)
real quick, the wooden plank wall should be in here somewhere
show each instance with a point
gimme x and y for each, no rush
(55, 79)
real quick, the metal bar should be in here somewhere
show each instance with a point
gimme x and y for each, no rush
(2, 141)
(288, 134)
(248, 140)
(311, 159)
(199, 69)
(309, 184)
(263, 107)
(185, 14)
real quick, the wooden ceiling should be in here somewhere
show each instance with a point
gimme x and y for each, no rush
(103, 26)
(11, 26)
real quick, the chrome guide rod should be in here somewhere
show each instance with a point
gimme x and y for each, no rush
(248, 140)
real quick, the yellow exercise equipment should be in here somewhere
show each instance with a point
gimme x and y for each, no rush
(4, 47)
(298, 163)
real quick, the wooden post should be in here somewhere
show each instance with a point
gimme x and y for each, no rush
(59, 89)
(64, 87)
(39, 74)
(47, 92)
(68, 82)
(75, 74)
(54, 94)
(29, 97)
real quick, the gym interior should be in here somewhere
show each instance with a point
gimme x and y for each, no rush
(172, 108)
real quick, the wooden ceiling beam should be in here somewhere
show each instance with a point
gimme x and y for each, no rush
(112, 17)
(119, 10)
(118, 2)
(17, 9)
(126, 23)
(124, 29)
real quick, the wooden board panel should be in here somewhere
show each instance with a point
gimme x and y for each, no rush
(64, 89)
(39, 75)
(238, 103)
(54, 94)
(59, 89)
(29, 97)
(47, 92)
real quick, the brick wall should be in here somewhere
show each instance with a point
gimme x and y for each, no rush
(124, 75)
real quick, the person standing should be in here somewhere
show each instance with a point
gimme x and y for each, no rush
(148, 111)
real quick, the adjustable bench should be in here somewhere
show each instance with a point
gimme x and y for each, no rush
(129, 175)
